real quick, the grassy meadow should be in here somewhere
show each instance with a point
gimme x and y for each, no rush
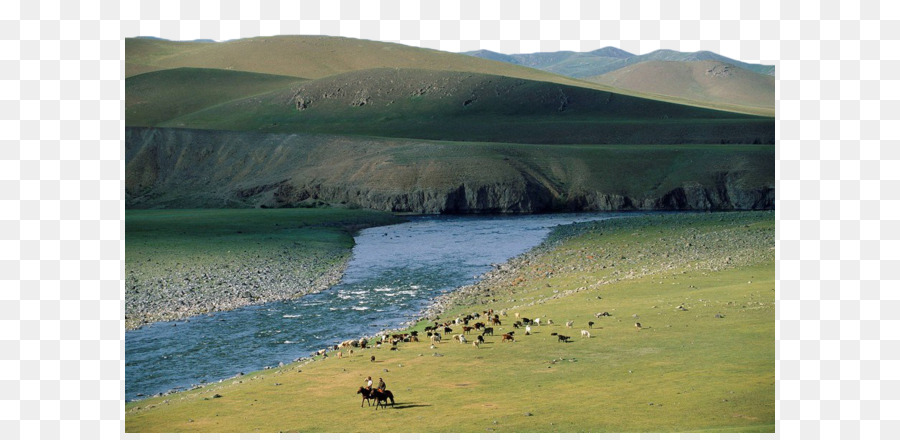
(686, 370)
(186, 262)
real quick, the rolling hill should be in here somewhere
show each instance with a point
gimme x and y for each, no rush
(155, 97)
(289, 121)
(317, 57)
(608, 59)
(312, 57)
(446, 105)
(700, 81)
(568, 63)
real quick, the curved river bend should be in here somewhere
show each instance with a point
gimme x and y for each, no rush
(394, 273)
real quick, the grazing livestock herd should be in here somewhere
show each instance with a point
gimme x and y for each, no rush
(474, 322)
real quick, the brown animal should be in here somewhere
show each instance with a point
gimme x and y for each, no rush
(366, 396)
(467, 329)
(507, 337)
(495, 321)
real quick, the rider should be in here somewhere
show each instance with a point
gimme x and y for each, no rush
(369, 383)
(381, 385)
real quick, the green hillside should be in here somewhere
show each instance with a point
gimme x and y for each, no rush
(446, 105)
(155, 97)
(321, 56)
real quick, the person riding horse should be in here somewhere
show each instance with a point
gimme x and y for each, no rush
(381, 385)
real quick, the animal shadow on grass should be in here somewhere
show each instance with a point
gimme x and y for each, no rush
(410, 405)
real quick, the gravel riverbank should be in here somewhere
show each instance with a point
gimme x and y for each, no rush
(173, 290)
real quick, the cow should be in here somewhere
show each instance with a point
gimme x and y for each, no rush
(488, 331)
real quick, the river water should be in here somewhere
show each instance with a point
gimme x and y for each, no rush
(394, 273)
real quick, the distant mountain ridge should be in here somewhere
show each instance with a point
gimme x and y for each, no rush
(607, 59)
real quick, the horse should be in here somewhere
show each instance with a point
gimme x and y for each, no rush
(381, 396)
(366, 396)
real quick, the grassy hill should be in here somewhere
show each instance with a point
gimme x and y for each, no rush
(705, 82)
(202, 168)
(155, 97)
(608, 59)
(568, 63)
(309, 56)
(398, 128)
(448, 105)
(321, 56)
(701, 285)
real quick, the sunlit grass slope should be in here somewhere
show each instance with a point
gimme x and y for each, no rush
(314, 57)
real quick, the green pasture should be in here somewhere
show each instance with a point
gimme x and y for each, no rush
(684, 371)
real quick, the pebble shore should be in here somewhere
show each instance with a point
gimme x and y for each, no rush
(166, 290)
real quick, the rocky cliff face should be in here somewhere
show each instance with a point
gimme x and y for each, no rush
(195, 168)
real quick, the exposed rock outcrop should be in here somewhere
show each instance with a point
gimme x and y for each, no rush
(196, 168)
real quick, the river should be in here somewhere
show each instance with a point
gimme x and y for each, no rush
(394, 273)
